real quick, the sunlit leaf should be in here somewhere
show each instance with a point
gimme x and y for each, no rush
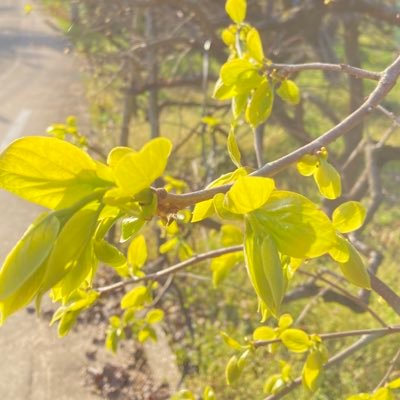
(236, 9)
(354, 269)
(232, 371)
(260, 104)
(340, 251)
(296, 340)
(137, 252)
(109, 254)
(136, 297)
(348, 216)
(221, 266)
(205, 209)
(232, 69)
(49, 172)
(154, 316)
(264, 333)
(328, 180)
(307, 165)
(29, 254)
(234, 344)
(285, 321)
(312, 370)
(254, 45)
(299, 228)
(289, 92)
(248, 193)
(137, 171)
(231, 235)
(233, 149)
(116, 155)
(71, 243)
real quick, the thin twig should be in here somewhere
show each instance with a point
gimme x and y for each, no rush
(171, 270)
(389, 371)
(348, 69)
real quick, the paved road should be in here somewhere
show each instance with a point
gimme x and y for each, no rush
(39, 84)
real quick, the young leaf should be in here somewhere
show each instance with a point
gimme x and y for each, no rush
(307, 165)
(354, 269)
(232, 371)
(231, 235)
(285, 321)
(328, 180)
(264, 333)
(205, 209)
(137, 171)
(137, 252)
(233, 149)
(340, 251)
(71, 243)
(130, 227)
(395, 384)
(209, 394)
(348, 216)
(239, 103)
(289, 92)
(154, 316)
(137, 297)
(29, 254)
(23, 295)
(116, 155)
(299, 228)
(296, 340)
(108, 254)
(49, 172)
(236, 9)
(312, 370)
(254, 45)
(260, 104)
(264, 267)
(221, 266)
(234, 344)
(222, 91)
(232, 69)
(248, 193)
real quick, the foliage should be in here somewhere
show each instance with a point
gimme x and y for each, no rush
(276, 232)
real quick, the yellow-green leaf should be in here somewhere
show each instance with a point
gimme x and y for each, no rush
(307, 165)
(137, 171)
(137, 252)
(340, 251)
(222, 91)
(395, 384)
(296, 340)
(233, 149)
(232, 69)
(236, 9)
(289, 92)
(23, 295)
(108, 254)
(260, 105)
(231, 235)
(264, 333)
(328, 180)
(136, 297)
(116, 154)
(28, 255)
(264, 266)
(348, 216)
(205, 209)
(232, 371)
(71, 243)
(209, 394)
(239, 103)
(254, 45)
(285, 321)
(299, 228)
(154, 316)
(234, 344)
(49, 172)
(312, 370)
(354, 269)
(248, 193)
(221, 266)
